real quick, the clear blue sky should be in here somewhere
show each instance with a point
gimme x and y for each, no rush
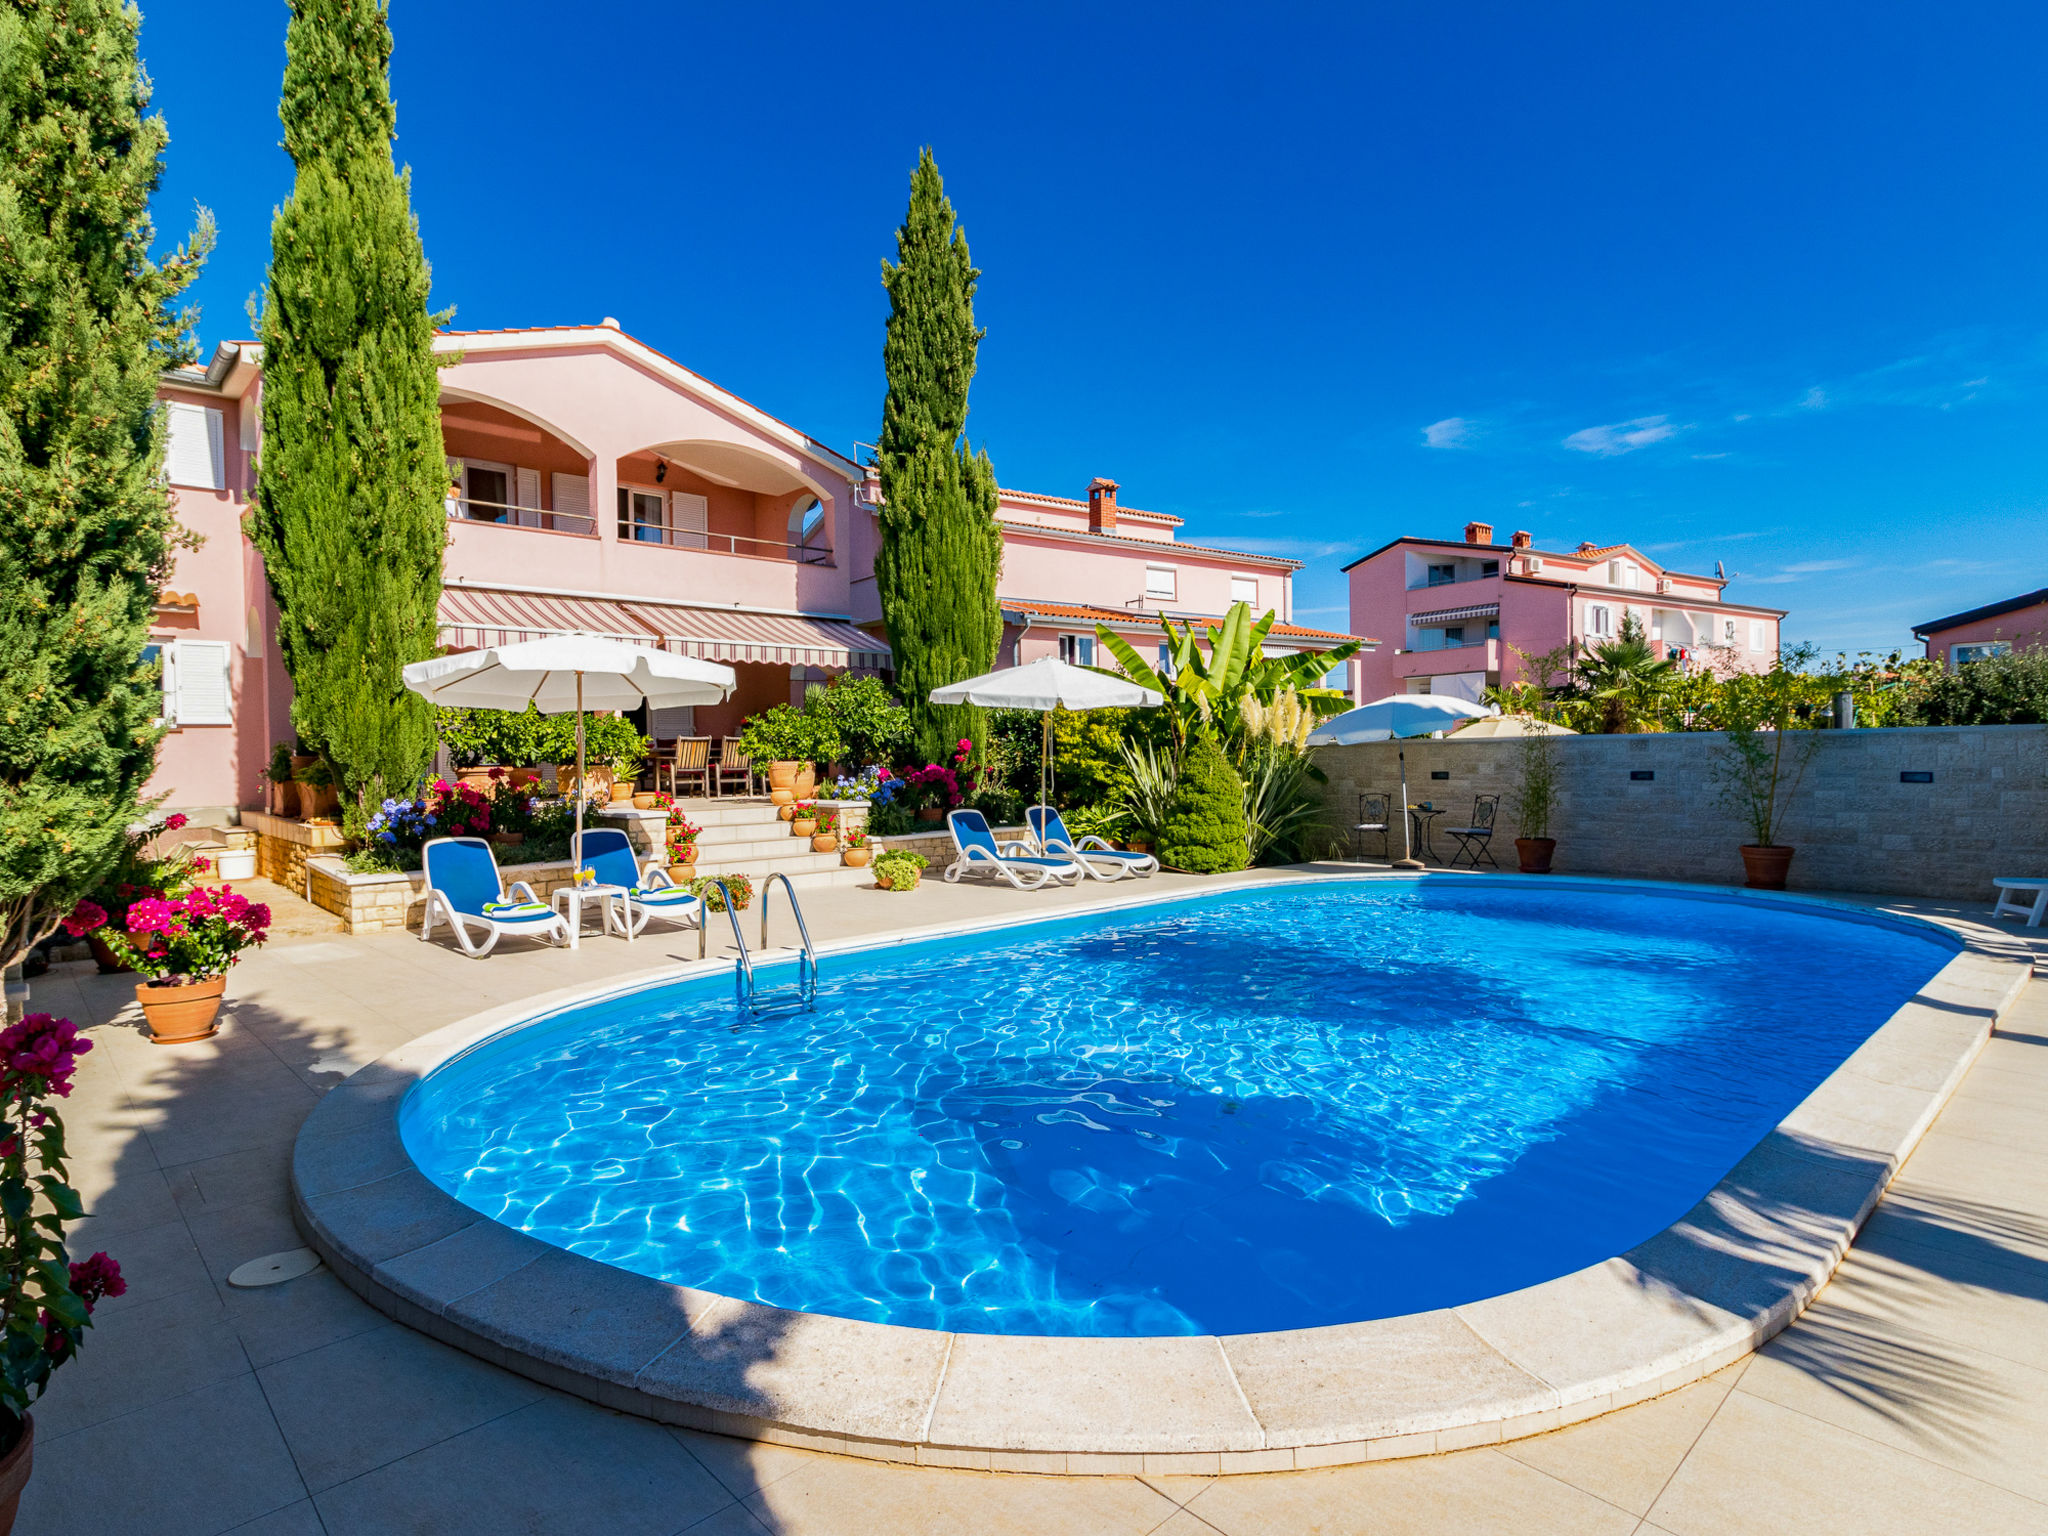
(1757, 283)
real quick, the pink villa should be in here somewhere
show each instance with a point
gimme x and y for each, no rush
(1455, 612)
(2016, 624)
(596, 485)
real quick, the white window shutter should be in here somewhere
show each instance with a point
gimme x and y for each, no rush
(572, 496)
(251, 414)
(690, 517)
(167, 653)
(197, 451)
(526, 496)
(1244, 589)
(205, 696)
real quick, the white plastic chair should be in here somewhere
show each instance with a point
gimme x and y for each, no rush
(1092, 853)
(463, 886)
(978, 853)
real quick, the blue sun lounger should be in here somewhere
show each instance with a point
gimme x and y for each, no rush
(979, 853)
(464, 887)
(650, 893)
(1091, 853)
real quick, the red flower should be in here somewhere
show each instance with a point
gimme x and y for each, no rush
(96, 1277)
(174, 821)
(40, 1046)
(84, 917)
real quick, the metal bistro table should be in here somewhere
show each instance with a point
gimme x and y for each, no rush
(1427, 814)
(570, 901)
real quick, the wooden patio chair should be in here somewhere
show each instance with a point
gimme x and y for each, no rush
(691, 761)
(734, 764)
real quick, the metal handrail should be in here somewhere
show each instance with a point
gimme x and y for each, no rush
(810, 955)
(743, 968)
(723, 543)
(507, 515)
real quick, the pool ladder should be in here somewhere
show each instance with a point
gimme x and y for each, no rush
(802, 997)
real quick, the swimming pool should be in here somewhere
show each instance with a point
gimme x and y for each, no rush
(1258, 1110)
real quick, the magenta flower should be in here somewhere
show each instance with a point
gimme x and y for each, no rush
(152, 914)
(96, 1277)
(174, 821)
(44, 1046)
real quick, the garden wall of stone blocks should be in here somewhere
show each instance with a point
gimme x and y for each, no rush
(1647, 805)
(376, 903)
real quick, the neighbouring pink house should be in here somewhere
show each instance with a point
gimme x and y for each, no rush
(596, 485)
(1454, 612)
(2017, 624)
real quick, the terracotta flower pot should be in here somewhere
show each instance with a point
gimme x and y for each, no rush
(1535, 853)
(806, 783)
(507, 839)
(176, 1014)
(478, 777)
(930, 813)
(1764, 868)
(647, 802)
(284, 798)
(522, 777)
(786, 809)
(111, 964)
(782, 775)
(318, 800)
(901, 883)
(1137, 846)
(857, 858)
(682, 867)
(622, 791)
(803, 826)
(825, 842)
(15, 1467)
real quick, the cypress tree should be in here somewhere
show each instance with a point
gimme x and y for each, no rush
(940, 549)
(1205, 829)
(86, 527)
(350, 512)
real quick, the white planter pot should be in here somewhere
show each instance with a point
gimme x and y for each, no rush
(236, 863)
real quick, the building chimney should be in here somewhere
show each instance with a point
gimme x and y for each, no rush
(1479, 533)
(1521, 539)
(1101, 505)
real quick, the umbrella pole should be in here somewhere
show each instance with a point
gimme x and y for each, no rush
(577, 845)
(1407, 859)
(1045, 761)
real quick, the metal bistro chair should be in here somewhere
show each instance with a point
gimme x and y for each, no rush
(734, 764)
(1474, 841)
(691, 760)
(1372, 817)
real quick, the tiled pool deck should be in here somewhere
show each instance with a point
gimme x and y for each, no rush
(1910, 1397)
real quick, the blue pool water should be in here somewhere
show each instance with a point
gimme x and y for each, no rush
(1255, 1110)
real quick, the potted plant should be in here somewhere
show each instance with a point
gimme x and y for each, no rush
(46, 1297)
(790, 742)
(805, 822)
(284, 792)
(1759, 762)
(184, 946)
(706, 888)
(318, 798)
(1532, 800)
(853, 847)
(140, 872)
(682, 845)
(825, 839)
(897, 869)
(625, 763)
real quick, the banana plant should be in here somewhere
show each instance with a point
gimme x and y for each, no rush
(1205, 686)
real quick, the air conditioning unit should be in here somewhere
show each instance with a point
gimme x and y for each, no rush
(1533, 564)
(1663, 583)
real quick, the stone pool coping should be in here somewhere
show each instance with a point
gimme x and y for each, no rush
(1703, 1293)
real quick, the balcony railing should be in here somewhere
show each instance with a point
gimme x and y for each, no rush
(472, 511)
(1458, 578)
(723, 543)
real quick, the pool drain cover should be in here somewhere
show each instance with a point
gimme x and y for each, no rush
(275, 1268)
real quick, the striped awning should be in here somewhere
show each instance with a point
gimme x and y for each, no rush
(1455, 615)
(479, 616)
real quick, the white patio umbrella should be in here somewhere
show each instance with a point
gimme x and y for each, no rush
(1499, 727)
(1045, 685)
(1394, 717)
(565, 672)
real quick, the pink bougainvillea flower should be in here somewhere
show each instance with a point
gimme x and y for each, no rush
(44, 1046)
(95, 1278)
(151, 914)
(174, 821)
(84, 917)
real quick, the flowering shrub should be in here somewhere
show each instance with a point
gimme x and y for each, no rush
(806, 810)
(827, 818)
(854, 837)
(868, 784)
(191, 937)
(46, 1299)
(139, 872)
(929, 785)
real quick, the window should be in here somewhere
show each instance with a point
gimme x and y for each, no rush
(1959, 654)
(1077, 650)
(1454, 636)
(1165, 667)
(690, 520)
(1493, 629)
(643, 516)
(197, 685)
(1759, 635)
(1489, 568)
(1728, 632)
(486, 492)
(1159, 582)
(1245, 589)
(196, 454)
(1599, 619)
(1442, 575)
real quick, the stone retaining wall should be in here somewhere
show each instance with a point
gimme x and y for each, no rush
(376, 903)
(283, 845)
(1855, 824)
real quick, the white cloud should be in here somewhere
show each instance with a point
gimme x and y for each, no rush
(1622, 436)
(1451, 432)
(1296, 549)
(1706, 456)
(1815, 399)
(1800, 572)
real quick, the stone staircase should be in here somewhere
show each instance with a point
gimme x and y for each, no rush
(749, 837)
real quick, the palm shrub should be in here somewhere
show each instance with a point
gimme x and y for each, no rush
(350, 503)
(1626, 679)
(1204, 829)
(1152, 775)
(87, 327)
